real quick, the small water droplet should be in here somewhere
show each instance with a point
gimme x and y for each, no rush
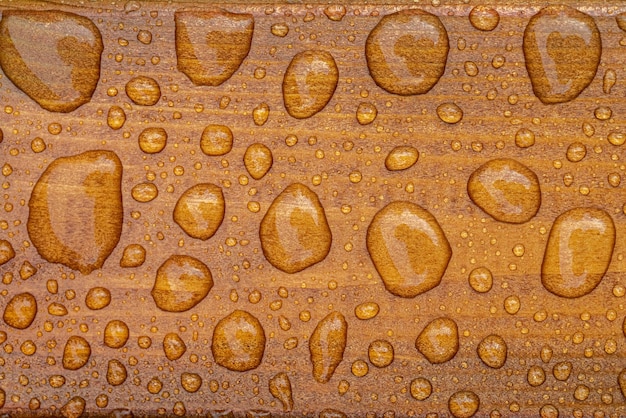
(366, 310)
(421, 388)
(380, 353)
(134, 255)
(449, 113)
(562, 370)
(7, 252)
(116, 373)
(144, 192)
(401, 158)
(463, 404)
(116, 334)
(116, 117)
(335, 12)
(481, 279)
(74, 408)
(366, 113)
(152, 140)
(98, 298)
(608, 81)
(191, 382)
(524, 138)
(280, 388)
(280, 29)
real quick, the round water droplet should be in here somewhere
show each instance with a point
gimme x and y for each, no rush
(238, 342)
(421, 388)
(74, 408)
(216, 140)
(294, 232)
(116, 373)
(506, 189)
(536, 376)
(492, 350)
(181, 283)
(524, 138)
(144, 91)
(173, 346)
(562, 370)
(366, 310)
(578, 253)
(366, 113)
(327, 345)
(401, 158)
(21, 310)
(116, 334)
(463, 404)
(449, 113)
(512, 304)
(280, 29)
(439, 340)
(191, 382)
(152, 140)
(481, 279)
(331, 413)
(258, 160)
(309, 83)
(211, 45)
(144, 192)
(200, 210)
(562, 48)
(407, 52)
(260, 114)
(408, 249)
(98, 298)
(549, 411)
(380, 353)
(76, 353)
(484, 18)
(134, 256)
(576, 152)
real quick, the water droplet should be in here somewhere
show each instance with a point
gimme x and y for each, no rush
(211, 45)
(74, 408)
(27, 270)
(621, 380)
(6, 251)
(76, 353)
(200, 210)
(616, 138)
(549, 411)
(407, 52)
(335, 12)
(536, 376)
(562, 48)
(144, 192)
(492, 350)
(260, 114)
(608, 81)
(576, 151)
(481, 279)
(116, 373)
(421, 388)
(380, 353)
(116, 334)
(327, 345)
(258, 160)
(144, 36)
(152, 140)
(134, 256)
(173, 346)
(366, 113)
(578, 253)
(238, 342)
(463, 404)
(216, 140)
(360, 368)
(524, 138)
(309, 83)
(181, 283)
(294, 232)
(506, 189)
(21, 310)
(331, 413)
(562, 370)
(512, 304)
(449, 113)
(154, 385)
(280, 29)
(439, 340)
(98, 298)
(191, 382)
(401, 158)
(52, 56)
(280, 388)
(484, 18)
(408, 249)
(116, 117)
(76, 210)
(366, 310)
(144, 91)
(57, 309)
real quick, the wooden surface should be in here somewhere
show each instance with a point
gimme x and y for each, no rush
(285, 264)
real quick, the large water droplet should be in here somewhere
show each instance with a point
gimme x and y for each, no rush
(211, 45)
(506, 189)
(52, 56)
(562, 48)
(21, 310)
(238, 342)
(294, 232)
(439, 340)
(408, 248)
(327, 345)
(200, 210)
(407, 52)
(578, 253)
(181, 283)
(76, 353)
(309, 83)
(76, 210)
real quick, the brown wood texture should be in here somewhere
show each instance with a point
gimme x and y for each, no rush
(327, 235)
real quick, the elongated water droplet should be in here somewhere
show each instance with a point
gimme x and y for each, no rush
(327, 345)
(21, 310)
(280, 388)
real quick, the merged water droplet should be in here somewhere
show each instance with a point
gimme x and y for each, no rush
(401, 158)
(211, 45)
(52, 56)
(439, 340)
(409, 249)
(76, 353)
(76, 210)
(294, 232)
(562, 48)
(327, 345)
(309, 83)
(258, 160)
(407, 52)
(280, 388)
(506, 189)
(238, 342)
(578, 253)
(181, 283)
(21, 310)
(463, 404)
(200, 210)
(493, 351)
(173, 346)
(116, 373)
